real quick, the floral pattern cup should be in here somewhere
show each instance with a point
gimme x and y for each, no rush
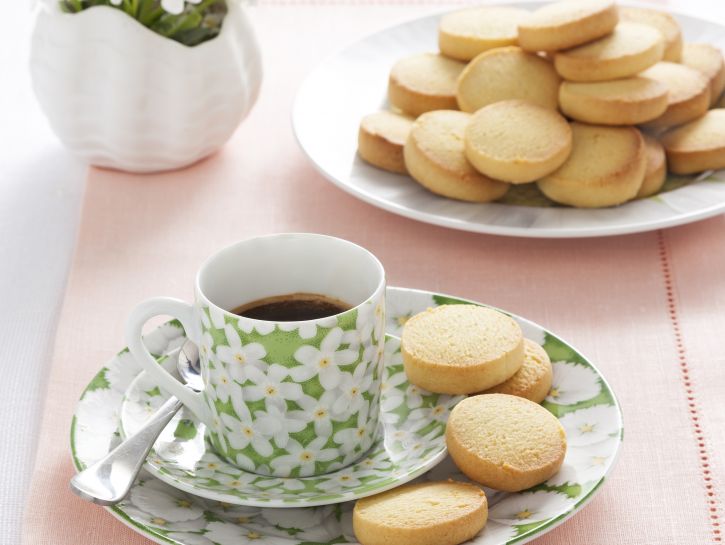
(287, 399)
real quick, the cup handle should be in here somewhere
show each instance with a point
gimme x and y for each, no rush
(182, 311)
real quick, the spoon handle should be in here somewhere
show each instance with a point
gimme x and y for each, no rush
(108, 480)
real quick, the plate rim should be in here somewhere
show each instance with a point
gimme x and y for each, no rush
(499, 230)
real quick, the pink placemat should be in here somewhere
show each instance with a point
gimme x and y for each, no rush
(648, 309)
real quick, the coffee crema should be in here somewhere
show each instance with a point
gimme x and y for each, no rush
(292, 307)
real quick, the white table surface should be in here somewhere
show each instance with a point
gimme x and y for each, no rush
(41, 187)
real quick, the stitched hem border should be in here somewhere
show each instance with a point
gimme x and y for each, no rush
(685, 376)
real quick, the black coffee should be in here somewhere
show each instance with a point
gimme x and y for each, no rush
(292, 307)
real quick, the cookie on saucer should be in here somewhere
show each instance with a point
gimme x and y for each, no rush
(465, 33)
(655, 172)
(533, 380)
(664, 22)
(708, 60)
(631, 48)
(461, 349)
(432, 513)
(507, 73)
(505, 442)
(381, 138)
(566, 24)
(517, 141)
(424, 82)
(627, 101)
(435, 158)
(606, 167)
(698, 145)
(688, 97)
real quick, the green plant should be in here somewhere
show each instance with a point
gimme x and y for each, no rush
(189, 22)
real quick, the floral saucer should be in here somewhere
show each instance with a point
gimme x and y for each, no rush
(580, 398)
(411, 440)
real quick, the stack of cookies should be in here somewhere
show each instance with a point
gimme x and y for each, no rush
(499, 437)
(592, 102)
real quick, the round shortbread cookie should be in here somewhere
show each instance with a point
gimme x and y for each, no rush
(505, 442)
(517, 141)
(533, 380)
(381, 138)
(566, 24)
(708, 60)
(688, 97)
(697, 146)
(423, 83)
(664, 22)
(606, 167)
(626, 101)
(656, 170)
(461, 349)
(631, 48)
(432, 513)
(435, 157)
(466, 33)
(506, 73)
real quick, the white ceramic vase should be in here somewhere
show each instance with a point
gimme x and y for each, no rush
(121, 96)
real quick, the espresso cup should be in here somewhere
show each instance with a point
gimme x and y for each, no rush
(281, 398)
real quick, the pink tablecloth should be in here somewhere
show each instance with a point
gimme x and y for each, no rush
(649, 309)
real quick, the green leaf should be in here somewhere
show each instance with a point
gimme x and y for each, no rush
(175, 323)
(524, 528)
(153, 392)
(443, 300)
(604, 398)
(209, 516)
(169, 24)
(196, 24)
(185, 429)
(99, 382)
(560, 351)
(290, 531)
(340, 539)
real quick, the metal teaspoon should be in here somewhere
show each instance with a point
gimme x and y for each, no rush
(107, 481)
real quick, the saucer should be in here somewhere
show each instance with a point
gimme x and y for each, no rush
(580, 398)
(411, 440)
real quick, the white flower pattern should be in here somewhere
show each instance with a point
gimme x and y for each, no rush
(323, 362)
(529, 507)
(239, 358)
(271, 387)
(585, 464)
(280, 423)
(319, 409)
(260, 326)
(228, 534)
(308, 329)
(572, 383)
(303, 458)
(169, 504)
(352, 387)
(256, 433)
(353, 440)
(590, 426)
